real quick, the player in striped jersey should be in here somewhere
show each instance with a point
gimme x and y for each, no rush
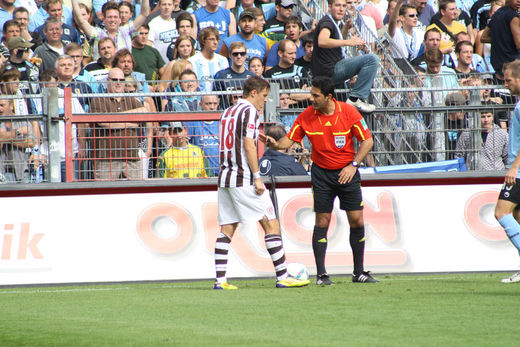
(241, 192)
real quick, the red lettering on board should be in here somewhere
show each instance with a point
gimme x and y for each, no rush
(156, 243)
(474, 211)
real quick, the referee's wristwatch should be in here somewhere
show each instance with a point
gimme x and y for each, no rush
(355, 164)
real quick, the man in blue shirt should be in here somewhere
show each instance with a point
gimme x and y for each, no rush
(277, 162)
(256, 45)
(6, 12)
(293, 30)
(205, 135)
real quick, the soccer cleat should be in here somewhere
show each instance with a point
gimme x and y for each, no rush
(513, 279)
(224, 286)
(364, 277)
(363, 107)
(291, 282)
(324, 280)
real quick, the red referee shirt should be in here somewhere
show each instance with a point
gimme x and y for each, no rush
(331, 136)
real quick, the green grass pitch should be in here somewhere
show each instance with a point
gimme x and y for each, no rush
(408, 310)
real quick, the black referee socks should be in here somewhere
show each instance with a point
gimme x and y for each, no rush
(319, 247)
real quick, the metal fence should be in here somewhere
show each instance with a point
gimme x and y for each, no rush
(105, 136)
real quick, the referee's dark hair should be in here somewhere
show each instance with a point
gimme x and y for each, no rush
(324, 84)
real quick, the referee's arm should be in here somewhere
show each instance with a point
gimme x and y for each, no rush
(348, 172)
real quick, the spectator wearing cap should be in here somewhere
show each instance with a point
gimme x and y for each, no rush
(493, 153)
(212, 15)
(456, 121)
(19, 52)
(274, 27)
(52, 46)
(278, 162)
(182, 159)
(256, 46)
(293, 30)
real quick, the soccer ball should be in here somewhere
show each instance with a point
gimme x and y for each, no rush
(298, 270)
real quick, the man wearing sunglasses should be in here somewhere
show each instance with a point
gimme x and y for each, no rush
(234, 76)
(408, 38)
(117, 151)
(424, 10)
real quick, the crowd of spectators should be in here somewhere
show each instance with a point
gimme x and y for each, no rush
(190, 47)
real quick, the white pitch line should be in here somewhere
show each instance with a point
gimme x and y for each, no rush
(79, 290)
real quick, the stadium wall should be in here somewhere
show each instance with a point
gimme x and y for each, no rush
(74, 233)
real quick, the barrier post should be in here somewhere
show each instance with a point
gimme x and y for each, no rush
(51, 111)
(273, 101)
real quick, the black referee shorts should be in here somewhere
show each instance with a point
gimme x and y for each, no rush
(325, 188)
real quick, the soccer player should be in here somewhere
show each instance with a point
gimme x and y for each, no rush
(241, 192)
(509, 197)
(330, 126)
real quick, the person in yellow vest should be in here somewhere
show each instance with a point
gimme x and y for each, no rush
(182, 159)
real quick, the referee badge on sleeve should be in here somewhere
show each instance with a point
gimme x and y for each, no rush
(340, 141)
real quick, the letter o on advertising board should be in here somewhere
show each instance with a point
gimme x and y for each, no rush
(474, 211)
(291, 219)
(165, 245)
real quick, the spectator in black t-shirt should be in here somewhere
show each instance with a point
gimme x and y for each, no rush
(305, 61)
(274, 27)
(503, 31)
(286, 72)
(331, 59)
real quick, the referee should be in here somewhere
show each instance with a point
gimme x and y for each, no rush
(330, 126)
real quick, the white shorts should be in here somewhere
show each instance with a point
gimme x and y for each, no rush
(242, 204)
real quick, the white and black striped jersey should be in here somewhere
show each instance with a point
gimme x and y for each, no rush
(236, 123)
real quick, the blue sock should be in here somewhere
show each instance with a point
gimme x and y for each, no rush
(512, 228)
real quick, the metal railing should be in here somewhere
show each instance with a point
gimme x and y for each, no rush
(415, 131)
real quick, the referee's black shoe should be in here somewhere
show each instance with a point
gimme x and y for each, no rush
(324, 280)
(364, 277)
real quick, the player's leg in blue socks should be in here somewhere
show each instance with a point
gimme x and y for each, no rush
(512, 228)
